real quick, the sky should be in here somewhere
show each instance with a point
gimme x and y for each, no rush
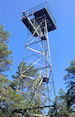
(62, 40)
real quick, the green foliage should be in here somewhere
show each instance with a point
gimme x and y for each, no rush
(60, 106)
(70, 82)
(5, 59)
(12, 100)
(22, 67)
(10, 97)
(21, 82)
(18, 94)
(25, 84)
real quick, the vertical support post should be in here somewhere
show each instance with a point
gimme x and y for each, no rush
(51, 66)
(46, 34)
(50, 57)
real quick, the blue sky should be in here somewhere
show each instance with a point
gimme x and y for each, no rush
(62, 40)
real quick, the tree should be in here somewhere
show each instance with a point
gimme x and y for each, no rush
(22, 78)
(9, 99)
(5, 58)
(60, 106)
(28, 87)
(70, 82)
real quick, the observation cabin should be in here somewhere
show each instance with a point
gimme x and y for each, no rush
(35, 18)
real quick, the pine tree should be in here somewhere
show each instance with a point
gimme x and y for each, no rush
(70, 82)
(5, 58)
(9, 98)
(61, 108)
(28, 87)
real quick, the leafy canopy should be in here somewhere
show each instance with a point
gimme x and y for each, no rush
(5, 58)
(70, 82)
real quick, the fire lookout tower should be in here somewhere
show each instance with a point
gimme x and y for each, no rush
(39, 23)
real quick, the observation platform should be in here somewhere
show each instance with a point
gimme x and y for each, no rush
(36, 17)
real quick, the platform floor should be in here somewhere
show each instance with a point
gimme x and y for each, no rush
(40, 17)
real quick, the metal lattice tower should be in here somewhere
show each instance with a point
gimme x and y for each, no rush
(37, 52)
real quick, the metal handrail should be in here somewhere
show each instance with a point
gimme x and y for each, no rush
(37, 8)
